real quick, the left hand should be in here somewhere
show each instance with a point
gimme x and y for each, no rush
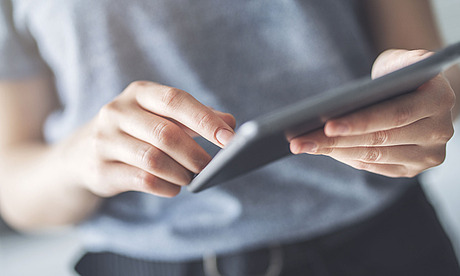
(400, 137)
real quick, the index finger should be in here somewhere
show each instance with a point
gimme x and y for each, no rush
(182, 107)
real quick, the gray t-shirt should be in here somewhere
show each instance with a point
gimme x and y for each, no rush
(243, 57)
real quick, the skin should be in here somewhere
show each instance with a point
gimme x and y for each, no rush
(141, 141)
(407, 135)
(398, 138)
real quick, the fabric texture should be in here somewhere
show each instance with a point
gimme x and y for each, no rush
(403, 240)
(19, 57)
(243, 57)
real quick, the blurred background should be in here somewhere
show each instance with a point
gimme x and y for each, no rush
(54, 253)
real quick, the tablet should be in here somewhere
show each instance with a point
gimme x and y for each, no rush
(263, 140)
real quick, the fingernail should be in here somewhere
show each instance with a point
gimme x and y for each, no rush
(310, 147)
(224, 136)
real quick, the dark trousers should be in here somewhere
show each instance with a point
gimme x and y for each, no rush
(404, 239)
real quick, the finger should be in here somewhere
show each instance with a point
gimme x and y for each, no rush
(389, 170)
(120, 177)
(426, 131)
(431, 99)
(127, 149)
(228, 118)
(409, 155)
(386, 169)
(381, 155)
(166, 136)
(182, 107)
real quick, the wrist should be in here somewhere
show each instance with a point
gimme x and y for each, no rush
(73, 162)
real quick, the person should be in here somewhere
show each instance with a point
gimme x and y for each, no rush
(106, 107)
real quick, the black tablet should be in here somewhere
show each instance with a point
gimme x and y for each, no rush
(263, 140)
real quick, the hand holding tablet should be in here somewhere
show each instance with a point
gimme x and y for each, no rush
(263, 140)
(400, 137)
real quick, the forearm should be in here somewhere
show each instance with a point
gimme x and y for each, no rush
(37, 189)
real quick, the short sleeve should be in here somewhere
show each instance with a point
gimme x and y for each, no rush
(19, 56)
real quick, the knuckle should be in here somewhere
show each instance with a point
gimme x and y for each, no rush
(378, 138)
(448, 99)
(110, 111)
(402, 115)
(173, 193)
(326, 151)
(436, 158)
(135, 85)
(403, 171)
(200, 162)
(410, 173)
(362, 166)
(372, 155)
(150, 159)
(441, 94)
(442, 136)
(104, 113)
(204, 119)
(165, 133)
(449, 133)
(98, 181)
(98, 136)
(139, 83)
(172, 98)
(332, 142)
(144, 180)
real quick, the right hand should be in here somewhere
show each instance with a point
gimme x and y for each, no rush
(142, 141)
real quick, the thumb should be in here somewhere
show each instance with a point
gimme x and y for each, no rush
(394, 59)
